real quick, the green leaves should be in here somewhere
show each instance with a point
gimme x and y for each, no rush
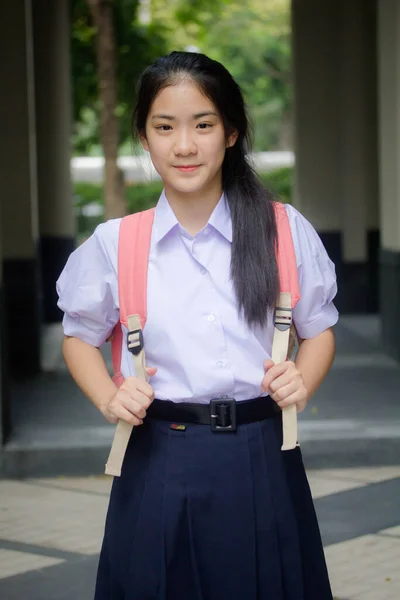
(252, 39)
(137, 47)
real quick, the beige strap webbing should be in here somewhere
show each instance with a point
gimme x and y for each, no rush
(124, 429)
(280, 345)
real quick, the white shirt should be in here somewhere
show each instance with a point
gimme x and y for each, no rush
(194, 336)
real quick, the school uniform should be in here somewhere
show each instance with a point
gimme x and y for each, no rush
(198, 514)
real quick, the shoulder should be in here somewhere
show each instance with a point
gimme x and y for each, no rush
(99, 250)
(307, 243)
(294, 216)
(107, 234)
(105, 239)
(296, 219)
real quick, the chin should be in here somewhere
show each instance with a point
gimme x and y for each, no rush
(187, 187)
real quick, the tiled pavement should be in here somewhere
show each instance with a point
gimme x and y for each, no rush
(50, 529)
(51, 532)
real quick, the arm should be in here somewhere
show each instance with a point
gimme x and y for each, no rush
(314, 316)
(314, 359)
(88, 295)
(295, 382)
(87, 367)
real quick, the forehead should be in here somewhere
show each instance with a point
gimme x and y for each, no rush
(181, 98)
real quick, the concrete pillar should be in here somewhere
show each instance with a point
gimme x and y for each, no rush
(316, 74)
(5, 407)
(389, 161)
(19, 230)
(51, 32)
(334, 74)
(359, 156)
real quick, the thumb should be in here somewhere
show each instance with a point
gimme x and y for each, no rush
(151, 371)
(266, 382)
(268, 363)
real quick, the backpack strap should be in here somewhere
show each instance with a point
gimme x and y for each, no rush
(133, 259)
(283, 323)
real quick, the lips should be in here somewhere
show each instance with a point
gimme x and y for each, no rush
(187, 168)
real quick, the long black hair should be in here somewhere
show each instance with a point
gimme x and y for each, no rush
(254, 270)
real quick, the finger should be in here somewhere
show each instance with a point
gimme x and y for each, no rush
(284, 392)
(151, 371)
(122, 413)
(136, 408)
(279, 382)
(131, 384)
(144, 389)
(132, 402)
(294, 398)
(137, 399)
(268, 363)
(273, 373)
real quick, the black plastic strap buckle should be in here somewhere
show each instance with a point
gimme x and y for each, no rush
(223, 414)
(283, 320)
(135, 341)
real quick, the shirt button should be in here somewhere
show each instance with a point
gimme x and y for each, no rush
(211, 318)
(203, 271)
(220, 364)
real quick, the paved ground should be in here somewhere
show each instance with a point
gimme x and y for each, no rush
(51, 532)
(51, 528)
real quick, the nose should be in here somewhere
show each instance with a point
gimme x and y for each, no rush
(184, 143)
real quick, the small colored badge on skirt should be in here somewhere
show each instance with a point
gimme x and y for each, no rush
(177, 427)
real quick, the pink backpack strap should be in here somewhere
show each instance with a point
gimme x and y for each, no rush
(133, 259)
(286, 256)
(287, 299)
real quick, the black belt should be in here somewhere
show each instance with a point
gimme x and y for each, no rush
(223, 414)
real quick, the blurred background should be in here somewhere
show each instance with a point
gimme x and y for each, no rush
(321, 80)
(321, 83)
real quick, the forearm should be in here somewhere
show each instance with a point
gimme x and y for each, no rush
(314, 359)
(88, 369)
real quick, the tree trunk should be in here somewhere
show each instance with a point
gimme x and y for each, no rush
(102, 14)
(285, 141)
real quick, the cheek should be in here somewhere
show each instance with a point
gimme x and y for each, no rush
(216, 150)
(158, 150)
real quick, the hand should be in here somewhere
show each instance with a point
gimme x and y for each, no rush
(131, 400)
(285, 384)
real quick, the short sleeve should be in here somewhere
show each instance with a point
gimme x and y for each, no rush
(315, 312)
(88, 287)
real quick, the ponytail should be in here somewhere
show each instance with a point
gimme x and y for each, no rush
(254, 269)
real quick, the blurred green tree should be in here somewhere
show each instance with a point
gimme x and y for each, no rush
(253, 40)
(138, 44)
(104, 32)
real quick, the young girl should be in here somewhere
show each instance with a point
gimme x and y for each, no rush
(198, 514)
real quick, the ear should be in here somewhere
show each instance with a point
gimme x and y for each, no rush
(144, 143)
(232, 139)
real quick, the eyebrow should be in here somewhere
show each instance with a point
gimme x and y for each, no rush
(197, 116)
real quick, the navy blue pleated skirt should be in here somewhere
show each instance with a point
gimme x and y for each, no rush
(198, 515)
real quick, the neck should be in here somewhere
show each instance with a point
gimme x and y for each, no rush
(193, 210)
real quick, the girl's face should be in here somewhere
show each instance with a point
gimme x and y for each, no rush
(186, 140)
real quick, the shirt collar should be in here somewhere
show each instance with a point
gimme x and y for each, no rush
(165, 219)
(221, 218)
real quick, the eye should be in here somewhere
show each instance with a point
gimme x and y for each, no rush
(204, 125)
(164, 127)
